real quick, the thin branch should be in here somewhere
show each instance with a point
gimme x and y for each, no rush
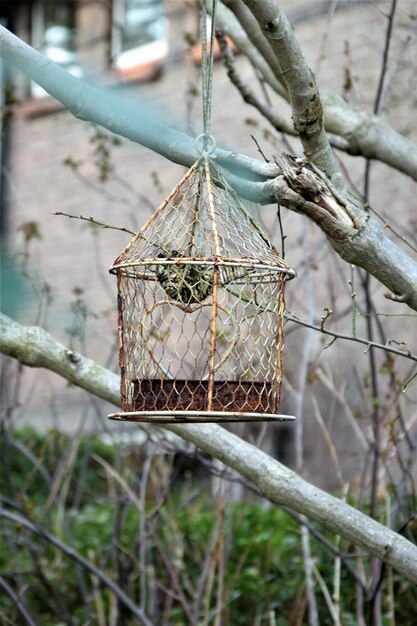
(228, 23)
(279, 123)
(328, 441)
(366, 342)
(313, 615)
(95, 222)
(326, 594)
(392, 229)
(256, 37)
(340, 398)
(329, 546)
(384, 67)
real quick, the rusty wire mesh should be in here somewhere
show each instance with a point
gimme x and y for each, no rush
(201, 302)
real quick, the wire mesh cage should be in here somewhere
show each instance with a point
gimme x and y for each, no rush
(201, 303)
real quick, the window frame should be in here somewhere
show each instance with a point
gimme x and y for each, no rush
(38, 29)
(138, 58)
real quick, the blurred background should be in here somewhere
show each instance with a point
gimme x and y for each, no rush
(135, 500)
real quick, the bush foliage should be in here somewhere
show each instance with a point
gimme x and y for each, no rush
(192, 556)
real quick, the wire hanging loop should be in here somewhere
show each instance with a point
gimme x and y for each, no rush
(205, 144)
(207, 58)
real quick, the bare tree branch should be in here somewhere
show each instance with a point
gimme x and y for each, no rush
(365, 342)
(354, 234)
(304, 97)
(256, 36)
(37, 348)
(369, 135)
(280, 123)
(276, 120)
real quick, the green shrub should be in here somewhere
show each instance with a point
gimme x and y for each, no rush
(260, 547)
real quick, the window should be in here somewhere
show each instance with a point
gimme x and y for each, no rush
(53, 34)
(139, 36)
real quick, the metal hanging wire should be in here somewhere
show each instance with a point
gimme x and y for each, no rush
(207, 60)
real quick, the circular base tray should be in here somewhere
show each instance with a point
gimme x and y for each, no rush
(190, 417)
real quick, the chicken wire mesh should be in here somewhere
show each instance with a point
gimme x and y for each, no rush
(201, 303)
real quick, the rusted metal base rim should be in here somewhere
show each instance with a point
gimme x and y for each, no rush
(190, 417)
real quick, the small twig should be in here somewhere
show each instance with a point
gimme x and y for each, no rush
(376, 314)
(308, 570)
(326, 595)
(370, 344)
(119, 479)
(325, 317)
(278, 122)
(259, 149)
(328, 384)
(353, 298)
(143, 547)
(410, 380)
(95, 222)
(328, 440)
(389, 227)
(388, 37)
(175, 581)
(100, 189)
(281, 230)
(220, 557)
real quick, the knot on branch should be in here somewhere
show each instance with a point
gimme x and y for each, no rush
(73, 357)
(322, 202)
(274, 28)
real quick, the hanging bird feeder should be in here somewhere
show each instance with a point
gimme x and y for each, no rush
(201, 303)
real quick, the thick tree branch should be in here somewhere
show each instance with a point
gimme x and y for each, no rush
(355, 235)
(369, 135)
(304, 97)
(36, 348)
(120, 115)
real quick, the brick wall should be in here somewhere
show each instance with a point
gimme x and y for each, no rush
(73, 256)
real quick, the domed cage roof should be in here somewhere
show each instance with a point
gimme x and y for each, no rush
(201, 222)
(201, 303)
